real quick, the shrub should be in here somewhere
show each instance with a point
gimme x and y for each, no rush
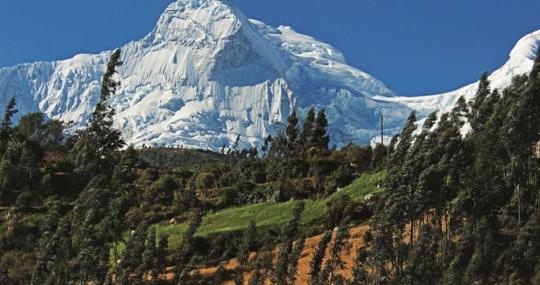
(24, 200)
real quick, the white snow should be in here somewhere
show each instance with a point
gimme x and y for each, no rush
(520, 61)
(207, 74)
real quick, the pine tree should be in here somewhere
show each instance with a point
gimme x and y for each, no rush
(320, 138)
(316, 262)
(161, 256)
(96, 147)
(405, 139)
(292, 132)
(54, 247)
(287, 235)
(132, 260)
(64, 252)
(247, 245)
(6, 124)
(91, 233)
(148, 259)
(481, 94)
(424, 266)
(306, 136)
(461, 110)
(294, 258)
(336, 263)
(185, 250)
(7, 120)
(264, 261)
(360, 274)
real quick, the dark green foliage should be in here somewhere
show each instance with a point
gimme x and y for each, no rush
(320, 138)
(316, 262)
(306, 136)
(248, 244)
(264, 262)
(96, 146)
(161, 255)
(425, 266)
(185, 250)
(6, 124)
(288, 232)
(132, 261)
(335, 263)
(294, 258)
(339, 211)
(52, 266)
(380, 154)
(462, 209)
(221, 276)
(460, 203)
(97, 224)
(360, 275)
(481, 95)
(292, 132)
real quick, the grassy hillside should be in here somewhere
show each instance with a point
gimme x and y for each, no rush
(272, 215)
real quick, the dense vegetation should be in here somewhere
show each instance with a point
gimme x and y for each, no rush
(85, 207)
(463, 209)
(460, 205)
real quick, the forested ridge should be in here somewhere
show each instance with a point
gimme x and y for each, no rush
(453, 201)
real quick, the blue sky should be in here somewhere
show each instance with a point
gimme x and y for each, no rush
(416, 47)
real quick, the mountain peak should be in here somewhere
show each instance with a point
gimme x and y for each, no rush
(207, 74)
(198, 20)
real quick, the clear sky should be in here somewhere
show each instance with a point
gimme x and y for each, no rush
(416, 47)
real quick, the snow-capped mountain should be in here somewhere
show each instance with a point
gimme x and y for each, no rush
(207, 74)
(521, 60)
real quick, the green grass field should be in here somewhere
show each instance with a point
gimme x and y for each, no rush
(271, 215)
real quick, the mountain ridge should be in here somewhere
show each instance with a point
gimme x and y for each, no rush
(207, 74)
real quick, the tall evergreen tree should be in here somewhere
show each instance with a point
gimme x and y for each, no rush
(316, 262)
(292, 131)
(132, 260)
(264, 261)
(148, 264)
(288, 233)
(360, 274)
(90, 237)
(161, 257)
(306, 136)
(185, 251)
(247, 245)
(481, 94)
(6, 124)
(320, 138)
(294, 258)
(97, 145)
(336, 263)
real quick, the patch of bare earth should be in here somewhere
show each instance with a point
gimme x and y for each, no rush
(355, 241)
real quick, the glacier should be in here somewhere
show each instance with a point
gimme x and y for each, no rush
(206, 74)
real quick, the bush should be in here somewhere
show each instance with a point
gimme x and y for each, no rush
(339, 210)
(161, 191)
(185, 199)
(24, 200)
(339, 178)
(205, 181)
